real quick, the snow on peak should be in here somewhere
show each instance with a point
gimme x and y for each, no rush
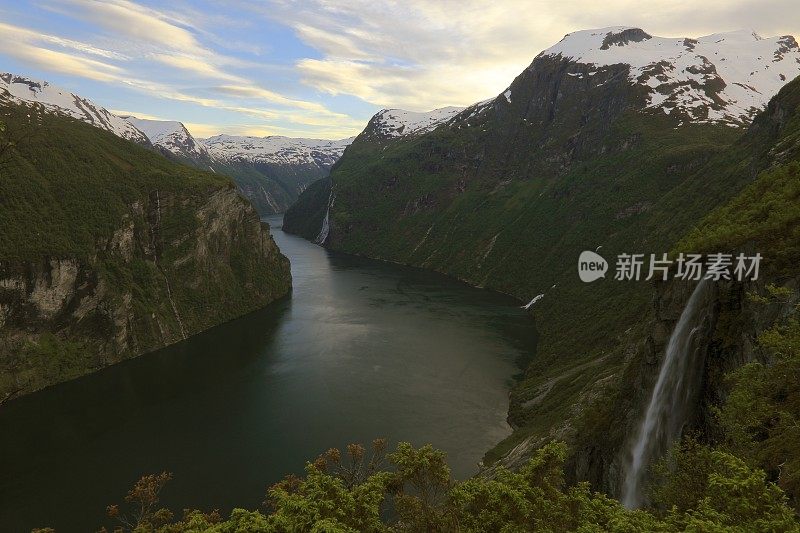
(276, 149)
(169, 135)
(724, 77)
(19, 89)
(400, 123)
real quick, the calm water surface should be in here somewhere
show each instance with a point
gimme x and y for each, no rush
(361, 349)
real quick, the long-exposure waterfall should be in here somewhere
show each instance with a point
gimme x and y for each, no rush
(673, 395)
(326, 226)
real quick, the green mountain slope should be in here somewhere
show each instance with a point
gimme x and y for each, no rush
(748, 347)
(510, 192)
(108, 250)
(271, 188)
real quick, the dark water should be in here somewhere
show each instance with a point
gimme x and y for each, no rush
(361, 349)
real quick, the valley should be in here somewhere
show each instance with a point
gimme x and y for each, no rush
(255, 310)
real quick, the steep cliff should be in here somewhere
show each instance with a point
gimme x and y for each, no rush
(110, 251)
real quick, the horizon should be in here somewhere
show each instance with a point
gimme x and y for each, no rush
(296, 72)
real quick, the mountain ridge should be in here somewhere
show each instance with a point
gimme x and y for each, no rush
(14, 88)
(170, 135)
(723, 77)
(270, 171)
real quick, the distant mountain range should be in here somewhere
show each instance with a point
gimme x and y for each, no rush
(271, 171)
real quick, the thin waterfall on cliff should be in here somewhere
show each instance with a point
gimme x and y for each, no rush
(326, 225)
(675, 392)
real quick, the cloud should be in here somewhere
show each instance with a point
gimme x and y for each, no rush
(331, 131)
(23, 45)
(163, 55)
(420, 54)
(133, 21)
(197, 65)
(137, 114)
(415, 54)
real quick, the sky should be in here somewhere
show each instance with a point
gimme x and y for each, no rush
(321, 68)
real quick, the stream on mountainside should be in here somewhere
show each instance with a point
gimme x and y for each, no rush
(361, 349)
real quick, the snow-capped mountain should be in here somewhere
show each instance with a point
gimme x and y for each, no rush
(171, 136)
(54, 99)
(393, 123)
(724, 77)
(276, 150)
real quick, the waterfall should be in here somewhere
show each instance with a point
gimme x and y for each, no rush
(326, 225)
(674, 394)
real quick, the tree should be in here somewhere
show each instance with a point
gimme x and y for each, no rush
(145, 514)
(761, 417)
(19, 124)
(354, 494)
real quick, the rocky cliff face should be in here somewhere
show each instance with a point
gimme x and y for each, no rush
(176, 264)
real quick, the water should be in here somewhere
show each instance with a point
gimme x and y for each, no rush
(675, 392)
(326, 222)
(361, 349)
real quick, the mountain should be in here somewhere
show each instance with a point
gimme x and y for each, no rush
(612, 138)
(270, 171)
(172, 137)
(19, 89)
(742, 346)
(393, 123)
(273, 171)
(109, 250)
(277, 150)
(307, 215)
(724, 77)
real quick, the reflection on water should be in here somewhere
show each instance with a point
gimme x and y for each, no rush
(360, 349)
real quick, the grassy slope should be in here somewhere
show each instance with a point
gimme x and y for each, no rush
(68, 185)
(764, 216)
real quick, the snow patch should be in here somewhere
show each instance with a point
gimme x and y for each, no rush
(724, 77)
(532, 302)
(20, 89)
(399, 123)
(276, 149)
(170, 135)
